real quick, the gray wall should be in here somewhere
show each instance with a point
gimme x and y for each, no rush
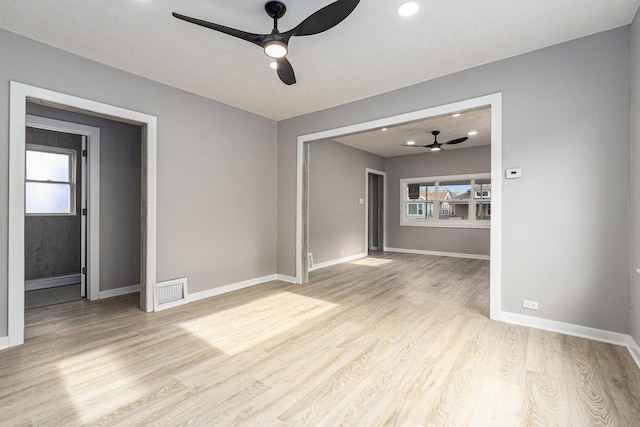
(337, 180)
(566, 124)
(452, 162)
(635, 184)
(216, 167)
(120, 186)
(52, 242)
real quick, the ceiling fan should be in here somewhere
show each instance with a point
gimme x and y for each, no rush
(275, 44)
(437, 146)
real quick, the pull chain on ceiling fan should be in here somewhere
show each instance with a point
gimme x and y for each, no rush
(276, 44)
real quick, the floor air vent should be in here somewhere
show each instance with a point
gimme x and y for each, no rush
(170, 293)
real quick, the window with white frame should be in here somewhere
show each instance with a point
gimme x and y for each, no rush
(50, 187)
(415, 210)
(447, 201)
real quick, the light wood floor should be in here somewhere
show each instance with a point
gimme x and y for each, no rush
(393, 339)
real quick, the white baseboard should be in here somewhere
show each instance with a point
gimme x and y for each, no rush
(325, 264)
(565, 328)
(285, 278)
(51, 282)
(4, 343)
(438, 253)
(231, 287)
(634, 349)
(119, 291)
(574, 330)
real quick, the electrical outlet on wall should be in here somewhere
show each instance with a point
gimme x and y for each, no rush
(532, 305)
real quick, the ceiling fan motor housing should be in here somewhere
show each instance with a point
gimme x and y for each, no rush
(275, 9)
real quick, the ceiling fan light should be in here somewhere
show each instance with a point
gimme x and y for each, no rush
(408, 8)
(411, 142)
(436, 148)
(275, 49)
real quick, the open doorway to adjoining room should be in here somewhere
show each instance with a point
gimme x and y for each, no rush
(491, 223)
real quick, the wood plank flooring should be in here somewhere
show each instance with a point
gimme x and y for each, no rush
(393, 339)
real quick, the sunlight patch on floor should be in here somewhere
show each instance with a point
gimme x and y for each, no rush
(232, 330)
(86, 395)
(371, 262)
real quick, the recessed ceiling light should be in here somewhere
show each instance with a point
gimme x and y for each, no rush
(384, 129)
(411, 142)
(408, 8)
(456, 115)
(274, 65)
(473, 132)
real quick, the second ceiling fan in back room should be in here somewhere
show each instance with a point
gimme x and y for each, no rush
(435, 145)
(275, 44)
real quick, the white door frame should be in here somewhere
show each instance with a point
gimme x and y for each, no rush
(495, 102)
(92, 187)
(381, 243)
(19, 95)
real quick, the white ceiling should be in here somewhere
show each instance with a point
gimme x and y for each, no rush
(390, 142)
(371, 52)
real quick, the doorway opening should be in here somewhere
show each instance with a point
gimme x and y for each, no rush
(54, 222)
(53, 268)
(375, 212)
(493, 102)
(20, 94)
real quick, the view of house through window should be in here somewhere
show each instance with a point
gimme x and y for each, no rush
(437, 201)
(49, 181)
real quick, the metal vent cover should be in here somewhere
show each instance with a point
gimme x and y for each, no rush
(170, 293)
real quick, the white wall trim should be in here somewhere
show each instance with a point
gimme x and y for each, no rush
(285, 278)
(51, 282)
(110, 293)
(4, 343)
(442, 223)
(608, 337)
(439, 253)
(634, 350)
(93, 192)
(19, 94)
(319, 265)
(231, 287)
(565, 328)
(495, 263)
(492, 100)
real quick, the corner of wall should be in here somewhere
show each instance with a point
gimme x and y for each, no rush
(634, 244)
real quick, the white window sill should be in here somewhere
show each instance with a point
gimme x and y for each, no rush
(448, 224)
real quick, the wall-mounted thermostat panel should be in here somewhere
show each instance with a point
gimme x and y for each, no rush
(513, 173)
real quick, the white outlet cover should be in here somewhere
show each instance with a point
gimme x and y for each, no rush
(513, 173)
